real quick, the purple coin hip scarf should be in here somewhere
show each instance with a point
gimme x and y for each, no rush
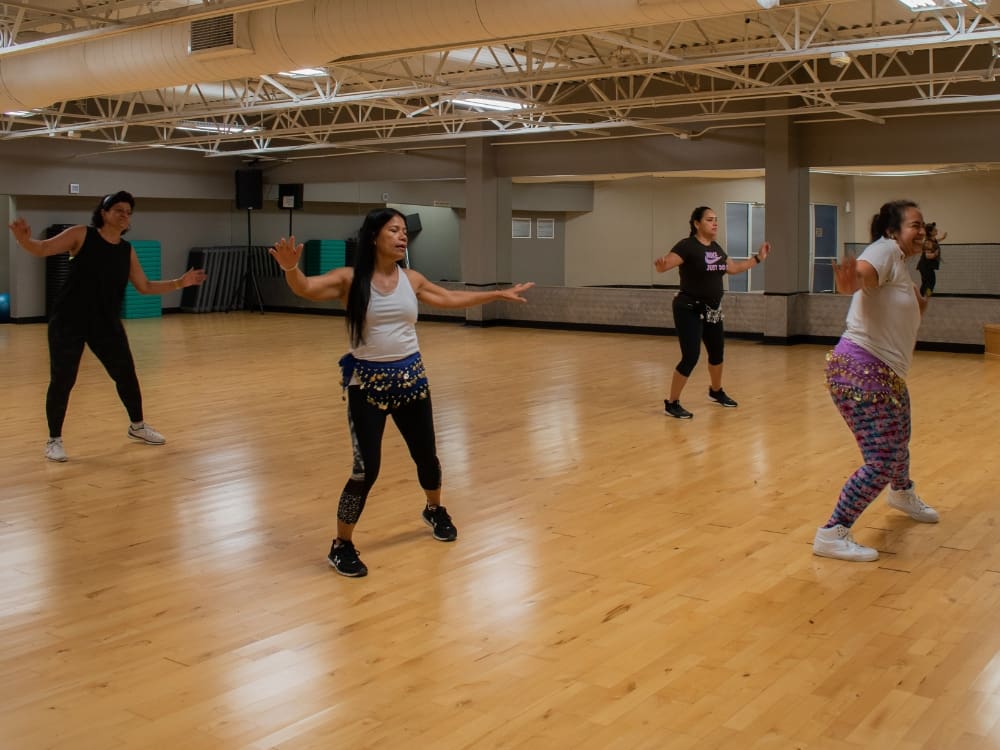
(859, 375)
(387, 385)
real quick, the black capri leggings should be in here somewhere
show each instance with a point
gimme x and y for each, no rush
(110, 346)
(691, 332)
(415, 422)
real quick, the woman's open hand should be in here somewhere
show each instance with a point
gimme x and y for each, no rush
(845, 275)
(193, 277)
(513, 294)
(286, 252)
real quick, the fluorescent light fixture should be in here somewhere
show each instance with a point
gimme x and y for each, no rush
(17, 113)
(304, 73)
(840, 59)
(908, 171)
(498, 105)
(214, 127)
(768, 4)
(922, 5)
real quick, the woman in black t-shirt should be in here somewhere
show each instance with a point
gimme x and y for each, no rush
(697, 311)
(88, 311)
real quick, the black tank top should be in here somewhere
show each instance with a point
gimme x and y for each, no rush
(95, 286)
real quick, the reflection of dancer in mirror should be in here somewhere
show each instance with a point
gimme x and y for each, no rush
(930, 260)
(866, 374)
(88, 311)
(383, 374)
(697, 306)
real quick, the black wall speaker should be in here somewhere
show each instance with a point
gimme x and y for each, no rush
(249, 189)
(413, 224)
(290, 195)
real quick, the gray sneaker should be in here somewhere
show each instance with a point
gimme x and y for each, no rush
(54, 450)
(909, 502)
(146, 434)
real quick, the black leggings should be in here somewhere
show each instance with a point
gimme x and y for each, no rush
(65, 350)
(928, 278)
(691, 332)
(415, 422)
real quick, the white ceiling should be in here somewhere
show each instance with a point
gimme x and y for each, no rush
(712, 69)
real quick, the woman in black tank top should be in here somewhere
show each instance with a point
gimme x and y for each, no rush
(88, 311)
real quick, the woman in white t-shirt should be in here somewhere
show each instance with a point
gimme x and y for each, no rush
(383, 373)
(866, 375)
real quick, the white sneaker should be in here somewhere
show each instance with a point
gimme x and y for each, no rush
(910, 503)
(838, 543)
(54, 450)
(146, 434)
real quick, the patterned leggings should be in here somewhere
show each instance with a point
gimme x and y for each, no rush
(881, 424)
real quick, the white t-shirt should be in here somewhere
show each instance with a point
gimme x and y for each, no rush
(390, 324)
(884, 320)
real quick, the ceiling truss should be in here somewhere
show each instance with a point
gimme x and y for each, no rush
(844, 60)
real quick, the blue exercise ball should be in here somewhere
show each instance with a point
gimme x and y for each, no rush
(4, 308)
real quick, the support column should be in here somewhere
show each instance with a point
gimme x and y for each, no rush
(486, 245)
(787, 222)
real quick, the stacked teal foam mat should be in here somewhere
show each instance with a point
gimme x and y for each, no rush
(137, 305)
(324, 255)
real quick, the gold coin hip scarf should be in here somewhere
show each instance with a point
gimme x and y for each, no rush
(863, 379)
(387, 385)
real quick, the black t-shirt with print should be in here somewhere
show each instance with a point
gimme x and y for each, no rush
(702, 270)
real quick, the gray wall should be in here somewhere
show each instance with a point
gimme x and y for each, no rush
(434, 250)
(608, 228)
(536, 259)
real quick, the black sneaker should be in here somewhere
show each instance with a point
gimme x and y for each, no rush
(721, 397)
(440, 522)
(344, 559)
(674, 409)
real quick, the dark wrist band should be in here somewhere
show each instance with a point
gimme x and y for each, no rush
(756, 257)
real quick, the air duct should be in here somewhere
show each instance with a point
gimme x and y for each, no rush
(313, 33)
(220, 37)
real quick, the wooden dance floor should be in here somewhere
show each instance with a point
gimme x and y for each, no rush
(621, 579)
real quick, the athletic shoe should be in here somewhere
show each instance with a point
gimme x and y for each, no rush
(674, 409)
(146, 434)
(910, 503)
(721, 397)
(438, 519)
(344, 559)
(54, 450)
(838, 543)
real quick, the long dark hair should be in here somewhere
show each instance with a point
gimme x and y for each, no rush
(107, 202)
(364, 266)
(889, 218)
(695, 217)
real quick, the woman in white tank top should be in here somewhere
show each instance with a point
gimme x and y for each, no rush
(383, 373)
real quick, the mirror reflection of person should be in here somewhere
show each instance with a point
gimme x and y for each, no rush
(87, 311)
(697, 306)
(930, 259)
(866, 374)
(383, 373)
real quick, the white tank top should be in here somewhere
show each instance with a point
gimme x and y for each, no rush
(390, 324)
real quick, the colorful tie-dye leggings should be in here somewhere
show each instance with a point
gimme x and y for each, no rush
(875, 403)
